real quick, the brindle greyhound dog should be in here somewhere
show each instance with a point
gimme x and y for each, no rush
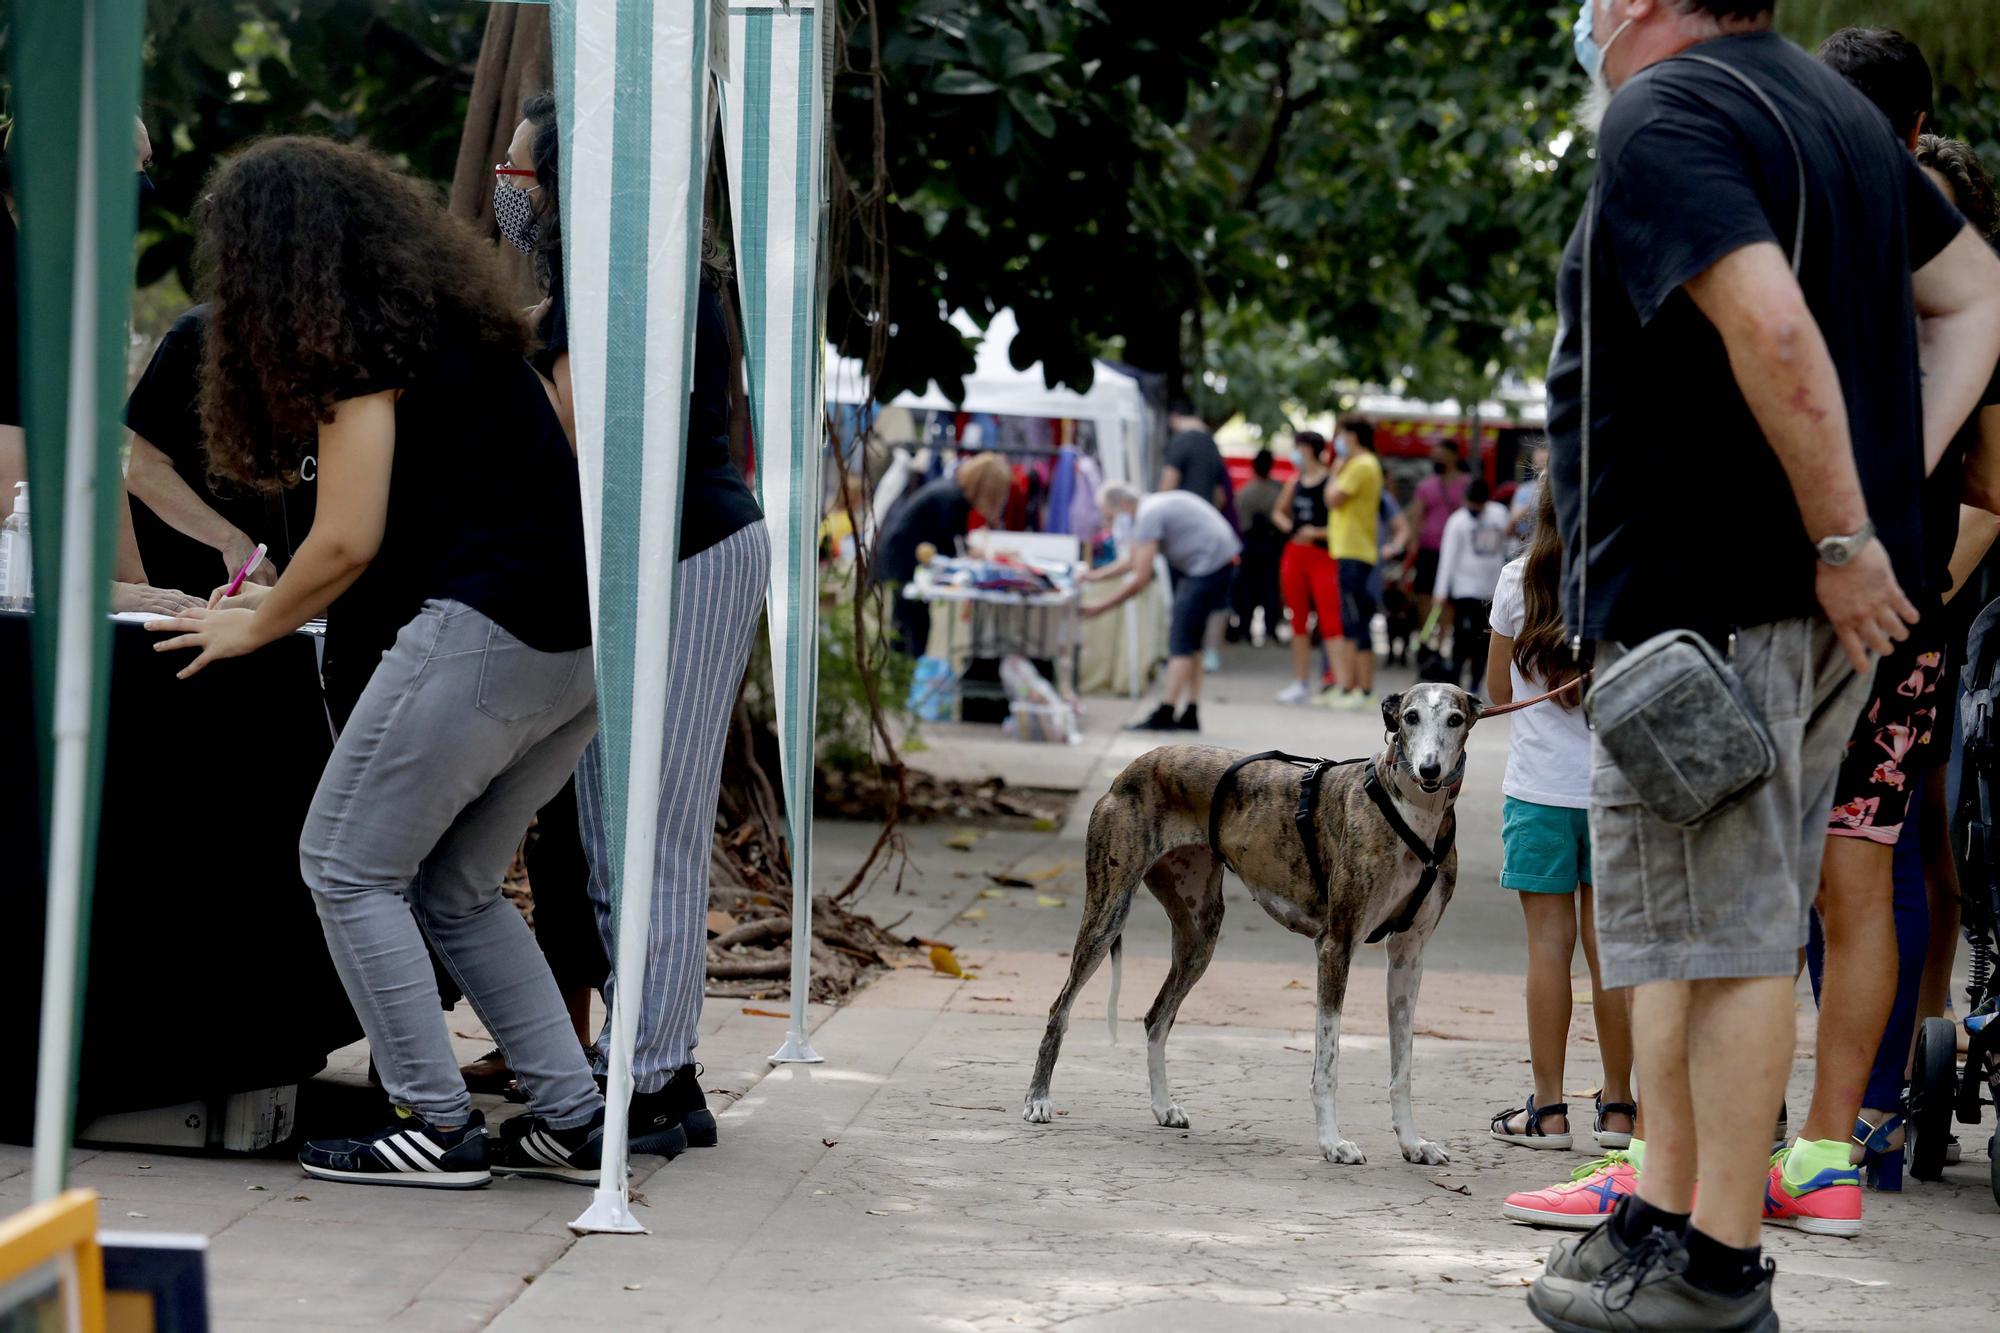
(1156, 824)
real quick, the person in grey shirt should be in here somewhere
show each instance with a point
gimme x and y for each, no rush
(1201, 550)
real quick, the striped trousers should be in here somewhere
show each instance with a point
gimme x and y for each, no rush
(718, 600)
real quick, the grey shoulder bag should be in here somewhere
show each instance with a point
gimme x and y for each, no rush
(1672, 713)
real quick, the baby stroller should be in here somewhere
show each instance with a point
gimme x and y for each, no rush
(1938, 1087)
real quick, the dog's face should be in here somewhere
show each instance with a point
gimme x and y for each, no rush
(1431, 722)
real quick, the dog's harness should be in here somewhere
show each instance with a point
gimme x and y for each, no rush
(1306, 818)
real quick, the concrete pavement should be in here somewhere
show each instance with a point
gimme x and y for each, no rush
(896, 1187)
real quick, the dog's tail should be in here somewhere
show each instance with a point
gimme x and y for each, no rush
(1111, 1000)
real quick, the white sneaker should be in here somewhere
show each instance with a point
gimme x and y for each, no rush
(1295, 693)
(1356, 700)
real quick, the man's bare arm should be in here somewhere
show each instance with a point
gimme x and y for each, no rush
(1958, 336)
(1786, 375)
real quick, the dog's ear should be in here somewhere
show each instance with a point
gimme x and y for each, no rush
(1473, 707)
(1392, 708)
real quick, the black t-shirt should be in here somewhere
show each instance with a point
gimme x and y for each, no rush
(937, 514)
(10, 327)
(715, 503)
(484, 509)
(1692, 522)
(165, 412)
(1195, 453)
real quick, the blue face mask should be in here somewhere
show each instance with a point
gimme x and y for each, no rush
(1588, 53)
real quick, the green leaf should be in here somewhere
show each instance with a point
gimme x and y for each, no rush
(1033, 64)
(964, 83)
(1034, 111)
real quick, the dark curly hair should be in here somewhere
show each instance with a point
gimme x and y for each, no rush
(329, 272)
(1971, 184)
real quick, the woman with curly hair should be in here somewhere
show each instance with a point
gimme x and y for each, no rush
(353, 321)
(725, 565)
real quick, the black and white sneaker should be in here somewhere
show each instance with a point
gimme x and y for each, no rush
(529, 1147)
(410, 1152)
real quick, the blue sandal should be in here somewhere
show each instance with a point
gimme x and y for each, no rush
(1533, 1135)
(1612, 1138)
(1882, 1162)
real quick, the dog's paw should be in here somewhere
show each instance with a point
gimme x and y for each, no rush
(1172, 1118)
(1425, 1153)
(1037, 1111)
(1346, 1153)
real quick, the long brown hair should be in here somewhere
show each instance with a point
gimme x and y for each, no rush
(329, 273)
(1541, 649)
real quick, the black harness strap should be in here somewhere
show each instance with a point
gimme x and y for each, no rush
(1305, 817)
(1431, 857)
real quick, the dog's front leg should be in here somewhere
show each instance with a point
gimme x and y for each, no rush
(1334, 956)
(1406, 973)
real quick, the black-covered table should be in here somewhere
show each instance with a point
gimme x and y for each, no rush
(208, 973)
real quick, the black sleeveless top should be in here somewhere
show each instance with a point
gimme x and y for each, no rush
(1309, 504)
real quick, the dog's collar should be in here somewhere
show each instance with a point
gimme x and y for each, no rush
(1430, 855)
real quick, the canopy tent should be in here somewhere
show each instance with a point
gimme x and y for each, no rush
(1114, 404)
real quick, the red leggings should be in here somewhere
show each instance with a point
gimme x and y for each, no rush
(1309, 577)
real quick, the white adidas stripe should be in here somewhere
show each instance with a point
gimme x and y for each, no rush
(387, 1150)
(547, 1149)
(421, 1148)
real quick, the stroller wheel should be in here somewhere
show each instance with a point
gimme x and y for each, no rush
(1933, 1082)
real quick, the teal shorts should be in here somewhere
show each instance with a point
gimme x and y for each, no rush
(1544, 848)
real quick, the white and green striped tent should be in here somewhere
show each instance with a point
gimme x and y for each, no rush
(634, 85)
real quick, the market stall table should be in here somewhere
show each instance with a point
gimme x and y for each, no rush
(208, 974)
(998, 623)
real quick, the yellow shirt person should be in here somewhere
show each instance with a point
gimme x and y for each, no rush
(1351, 524)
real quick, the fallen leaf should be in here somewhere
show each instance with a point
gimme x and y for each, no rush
(829, 1142)
(634, 1286)
(877, 1212)
(822, 1192)
(1296, 985)
(1062, 1112)
(945, 961)
(994, 999)
(954, 1106)
(764, 1013)
(971, 914)
(993, 893)
(964, 840)
(639, 1200)
(1047, 900)
(1580, 996)
(1059, 868)
(1468, 1009)
(1455, 1189)
(719, 922)
(1446, 1277)
(135, 1214)
(300, 1198)
(145, 1166)
(1006, 882)
(1045, 825)
(254, 1187)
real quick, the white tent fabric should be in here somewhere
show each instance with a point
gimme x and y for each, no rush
(635, 121)
(774, 135)
(1114, 404)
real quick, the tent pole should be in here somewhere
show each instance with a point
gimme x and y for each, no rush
(76, 668)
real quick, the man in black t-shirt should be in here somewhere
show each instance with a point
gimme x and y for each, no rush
(1746, 259)
(190, 535)
(1193, 460)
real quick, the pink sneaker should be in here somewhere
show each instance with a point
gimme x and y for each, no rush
(1828, 1205)
(1587, 1198)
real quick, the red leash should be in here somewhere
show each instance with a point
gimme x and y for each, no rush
(1518, 705)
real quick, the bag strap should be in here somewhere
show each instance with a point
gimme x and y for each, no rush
(1589, 247)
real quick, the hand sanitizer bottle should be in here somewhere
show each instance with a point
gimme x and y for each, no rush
(17, 586)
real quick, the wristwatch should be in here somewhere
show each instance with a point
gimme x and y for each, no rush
(1837, 551)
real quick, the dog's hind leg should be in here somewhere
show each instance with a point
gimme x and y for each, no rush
(1188, 883)
(1112, 877)
(1335, 955)
(1406, 974)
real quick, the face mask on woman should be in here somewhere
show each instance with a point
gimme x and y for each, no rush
(514, 213)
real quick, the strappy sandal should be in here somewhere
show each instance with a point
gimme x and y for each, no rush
(1612, 1138)
(1881, 1161)
(1533, 1135)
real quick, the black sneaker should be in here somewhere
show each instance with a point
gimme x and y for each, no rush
(410, 1153)
(1160, 719)
(675, 1118)
(1647, 1288)
(528, 1147)
(1189, 720)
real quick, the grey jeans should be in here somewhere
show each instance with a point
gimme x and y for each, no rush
(462, 734)
(1730, 898)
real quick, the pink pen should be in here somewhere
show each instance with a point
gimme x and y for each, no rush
(249, 568)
